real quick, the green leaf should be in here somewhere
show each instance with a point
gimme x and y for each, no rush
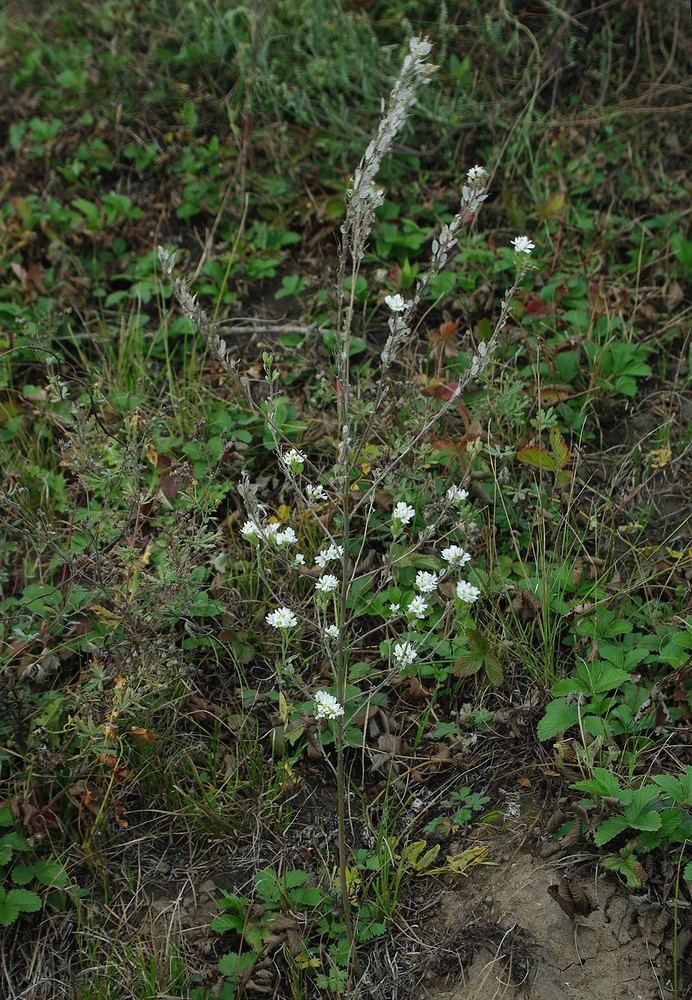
(672, 786)
(17, 901)
(639, 812)
(606, 678)
(233, 965)
(627, 865)
(23, 874)
(602, 783)
(294, 878)
(558, 717)
(265, 883)
(228, 922)
(609, 828)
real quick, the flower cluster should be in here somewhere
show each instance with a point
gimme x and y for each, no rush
(474, 193)
(426, 583)
(327, 555)
(327, 584)
(272, 532)
(455, 494)
(327, 706)
(315, 493)
(403, 513)
(455, 556)
(404, 655)
(466, 592)
(418, 607)
(282, 618)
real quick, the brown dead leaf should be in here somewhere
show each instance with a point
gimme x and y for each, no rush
(572, 899)
(145, 734)
(416, 691)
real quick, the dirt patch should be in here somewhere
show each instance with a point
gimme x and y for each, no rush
(513, 940)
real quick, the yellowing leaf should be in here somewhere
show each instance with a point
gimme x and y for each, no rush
(559, 447)
(418, 857)
(552, 206)
(659, 457)
(353, 883)
(283, 708)
(539, 458)
(304, 961)
(104, 615)
(284, 513)
(459, 863)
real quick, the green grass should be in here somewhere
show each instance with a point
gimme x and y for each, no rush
(140, 700)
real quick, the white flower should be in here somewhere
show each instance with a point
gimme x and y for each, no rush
(300, 559)
(327, 584)
(456, 556)
(404, 655)
(250, 530)
(419, 47)
(327, 555)
(315, 492)
(403, 512)
(522, 244)
(455, 494)
(331, 632)
(394, 609)
(466, 592)
(288, 535)
(426, 582)
(397, 303)
(271, 530)
(327, 706)
(282, 618)
(418, 607)
(476, 175)
(293, 458)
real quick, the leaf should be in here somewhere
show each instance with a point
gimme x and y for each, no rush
(265, 882)
(294, 878)
(639, 813)
(23, 874)
(629, 866)
(234, 965)
(604, 783)
(418, 857)
(552, 206)
(559, 448)
(458, 863)
(228, 922)
(558, 717)
(610, 828)
(539, 458)
(17, 901)
(494, 671)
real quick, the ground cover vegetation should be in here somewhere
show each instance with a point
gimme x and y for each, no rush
(343, 419)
